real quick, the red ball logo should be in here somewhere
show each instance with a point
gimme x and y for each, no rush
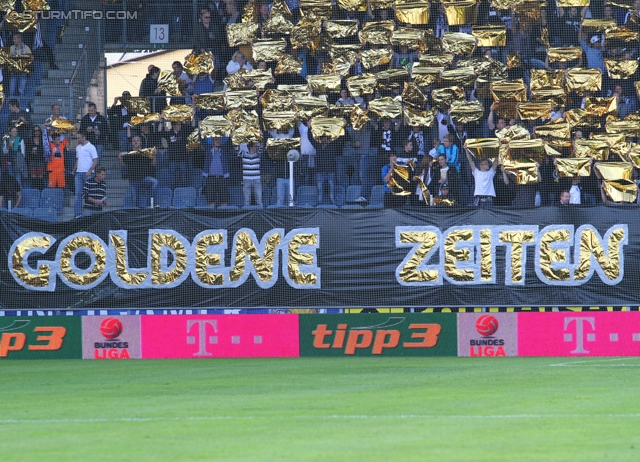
(111, 328)
(486, 325)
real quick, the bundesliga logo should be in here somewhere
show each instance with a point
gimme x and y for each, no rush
(487, 326)
(111, 329)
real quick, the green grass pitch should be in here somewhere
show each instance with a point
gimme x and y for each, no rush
(342, 409)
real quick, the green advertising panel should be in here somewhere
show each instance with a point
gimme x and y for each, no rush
(41, 337)
(419, 334)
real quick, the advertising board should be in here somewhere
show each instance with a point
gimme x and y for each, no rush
(51, 337)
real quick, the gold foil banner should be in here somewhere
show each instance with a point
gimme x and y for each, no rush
(442, 60)
(525, 171)
(381, 4)
(483, 148)
(277, 148)
(279, 20)
(215, 126)
(242, 33)
(593, 149)
(425, 76)
(621, 190)
(240, 99)
(462, 76)
(506, 4)
(341, 29)
(268, 50)
(570, 3)
(342, 111)
(305, 32)
(556, 95)
(486, 67)
(246, 127)
(506, 109)
(258, 77)
(145, 119)
(400, 181)
(573, 167)
(621, 68)
(634, 156)
(177, 113)
(199, 64)
(348, 53)
(168, 83)
(490, 36)
(626, 127)
(319, 9)
(413, 96)
(288, 65)
(308, 107)
(393, 78)
(443, 97)
(417, 118)
(600, 107)
(466, 111)
(376, 33)
(279, 120)
(7, 5)
(376, 57)
(333, 127)
(359, 117)
(528, 12)
(20, 22)
(564, 54)
(581, 80)
(612, 171)
(193, 141)
(591, 27)
(534, 111)
(352, 5)
(412, 11)
(626, 4)
(460, 12)
(386, 108)
(210, 101)
(579, 118)
(617, 142)
(557, 130)
(249, 12)
(514, 61)
(619, 37)
(338, 67)
(414, 39)
(324, 83)
(458, 43)
(509, 90)
(137, 105)
(61, 125)
(541, 78)
(363, 84)
(526, 149)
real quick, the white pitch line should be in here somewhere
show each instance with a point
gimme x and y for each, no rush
(325, 417)
(592, 361)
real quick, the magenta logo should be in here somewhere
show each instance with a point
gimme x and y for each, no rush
(486, 325)
(111, 328)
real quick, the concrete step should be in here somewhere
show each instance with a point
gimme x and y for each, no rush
(60, 73)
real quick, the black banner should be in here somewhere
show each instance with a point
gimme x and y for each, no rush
(550, 256)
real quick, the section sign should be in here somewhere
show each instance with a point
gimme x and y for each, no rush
(220, 336)
(410, 334)
(40, 337)
(487, 334)
(111, 337)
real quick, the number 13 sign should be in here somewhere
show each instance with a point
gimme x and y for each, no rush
(159, 33)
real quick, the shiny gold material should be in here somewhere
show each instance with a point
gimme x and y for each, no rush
(288, 65)
(410, 272)
(418, 118)
(20, 22)
(564, 54)
(211, 101)
(557, 130)
(507, 109)
(242, 33)
(279, 120)
(634, 156)
(296, 259)
(96, 248)
(120, 249)
(277, 148)
(528, 12)
(376, 57)
(621, 68)
(305, 32)
(599, 107)
(177, 113)
(342, 111)
(137, 105)
(626, 127)
(149, 118)
(61, 125)
(549, 255)
(333, 127)
(44, 271)
(341, 29)
(443, 97)
(279, 20)
(611, 171)
(454, 254)
(382, 4)
(619, 37)
(534, 111)
(412, 11)
(168, 83)
(425, 76)
(35, 5)
(621, 190)
(526, 149)
(490, 36)
(593, 149)
(311, 106)
(158, 241)
(318, 9)
(556, 95)
(517, 240)
(249, 13)
(414, 39)
(462, 76)
(348, 53)
(458, 43)
(278, 100)
(241, 99)
(413, 96)
(633, 116)
(247, 131)
(268, 50)
(525, 171)
(466, 111)
(386, 108)
(376, 33)
(441, 60)
(570, 3)
(393, 78)
(363, 84)
(483, 148)
(592, 26)
(1, 95)
(541, 78)
(509, 90)
(617, 143)
(193, 141)
(626, 4)
(147, 152)
(591, 248)
(352, 5)
(359, 117)
(636, 84)
(486, 67)
(215, 126)
(572, 167)
(551, 151)
(506, 4)
(515, 132)
(460, 12)
(204, 259)
(199, 64)
(258, 78)
(581, 80)
(7, 5)
(338, 67)
(579, 118)
(324, 83)
(514, 61)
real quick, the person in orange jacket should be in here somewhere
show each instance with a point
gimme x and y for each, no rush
(55, 166)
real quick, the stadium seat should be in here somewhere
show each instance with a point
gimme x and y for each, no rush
(236, 196)
(128, 199)
(340, 194)
(227, 208)
(354, 192)
(343, 180)
(24, 212)
(327, 206)
(266, 196)
(252, 207)
(52, 198)
(377, 197)
(163, 197)
(30, 198)
(352, 206)
(307, 196)
(201, 201)
(45, 213)
(184, 198)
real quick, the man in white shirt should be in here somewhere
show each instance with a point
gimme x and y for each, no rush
(484, 191)
(86, 162)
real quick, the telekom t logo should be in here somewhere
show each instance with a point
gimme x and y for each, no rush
(201, 335)
(579, 332)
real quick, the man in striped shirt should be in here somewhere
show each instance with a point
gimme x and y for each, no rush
(251, 181)
(95, 192)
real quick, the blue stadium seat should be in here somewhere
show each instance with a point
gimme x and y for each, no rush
(163, 197)
(201, 201)
(45, 213)
(252, 207)
(343, 180)
(377, 197)
(354, 192)
(328, 206)
(24, 212)
(307, 196)
(52, 198)
(236, 196)
(184, 198)
(340, 194)
(30, 198)
(222, 208)
(266, 196)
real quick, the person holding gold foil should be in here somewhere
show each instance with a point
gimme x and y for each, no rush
(484, 192)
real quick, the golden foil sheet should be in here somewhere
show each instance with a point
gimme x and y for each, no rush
(441, 60)
(458, 43)
(620, 37)
(338, 67)
(515, 132)
(7, 61)
(412, 11)
(386, 108)
(400, 181)
(506, 4)
(348, 53)
(528, 12)
(1, 95)
(593, 26)
(158, 242)
(593, 149)
(425, 76)
(210, 101)
(145, 119)
(612, 171)
(324, 83)
(61, 125)
(564, 54)
(414, 39)
(119, 247)
(246, 250)
(352, 5)
(617, 142)
(294, 90)
(483, 87)
(556, 95)
(268, 50)
(626, 127)
(42, 278)
(20, 22)
(359, 117)
(297, 259)
(591, 248)
(392, 78)
(363, 84)
(466, 111)
(413, 96)
(7, 5)
(525, 171)
(241, 99)
(626, 4)
(462, 76)
(486, 67)
(177, 113)
(193, 141)
(279, 20)
(305, 32)
(35, 5)
(277, 148)
(557, 130)
(621, 68)
(236, 80)
(579, 118)
(199, 64)
(544, 36)
(460, 12)
(381, 4)
(514, 61)
(514, 90)
(417, 118)
(454, 253)
(599, 107)
(490, 36)
(425, 241)
(137, 105)
(249, 12)
(570, 3)
(310, 106)
(246, 134)
(526, 149)
(341, 29)
(317, 9)
(288, 65)
(572, 167)
(534, 111)
(443, 97)
(506, 109)
(204, 259)
(94, 247)
(333, 127)
(483, 148)
(621, 190)
(581, 80)
(168, 83)
(376, 57)
(279, 120)
(148, 152)
(541, 78)
(258, 77)
(215, 126)
(342, 111)
(242, 33)
(634, 156)
(376, 33)
(550, 255)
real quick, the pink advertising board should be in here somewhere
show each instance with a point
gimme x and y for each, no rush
(579, 334)
(220, 336)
